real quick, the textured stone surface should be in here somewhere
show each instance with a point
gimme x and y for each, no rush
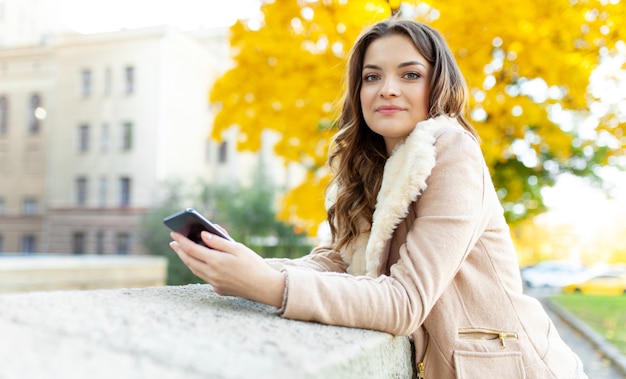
(36, 272)
(181, 332)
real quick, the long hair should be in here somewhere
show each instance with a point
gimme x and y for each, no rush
(358, 155)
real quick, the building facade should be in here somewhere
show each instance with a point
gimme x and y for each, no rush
(26, 89)
(92, 127)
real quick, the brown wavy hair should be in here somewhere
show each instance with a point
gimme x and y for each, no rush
(358, 155)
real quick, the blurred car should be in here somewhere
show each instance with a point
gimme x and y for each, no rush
(554, 274)
(601, 284)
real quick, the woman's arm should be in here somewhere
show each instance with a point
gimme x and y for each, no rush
(450, 217)
(233, 269)
(450, 214)
(322, 258)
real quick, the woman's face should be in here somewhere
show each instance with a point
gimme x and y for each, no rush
(395, 88)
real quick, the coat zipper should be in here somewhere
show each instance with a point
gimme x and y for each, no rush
(470, 333)
(420, 370)
(421, 367)
(486, 334)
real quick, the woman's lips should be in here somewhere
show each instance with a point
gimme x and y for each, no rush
(388, 109)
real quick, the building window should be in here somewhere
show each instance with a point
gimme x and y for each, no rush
(2, 207)
(122, 243)
(222, 156)
(107, 81)
(125, 191)
(29, 206)
(83, 138)
(129, 80)
(1, 243)
(4, 115)
(81, 191)
(102, 192)
(127, 136)
(78, 243)
(105, 138)
(207, 150)
(29, 244)
(100, 242)
(36, 113)
(85, 83)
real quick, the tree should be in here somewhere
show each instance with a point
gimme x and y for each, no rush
(523, 62)
(155, 236)
(248, 213)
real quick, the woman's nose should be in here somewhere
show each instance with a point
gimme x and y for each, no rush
(389, 88)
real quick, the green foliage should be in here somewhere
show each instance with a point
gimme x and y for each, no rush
(248, 213)
(155, 236)
(524, 62)
(156, 241)
(605, 314)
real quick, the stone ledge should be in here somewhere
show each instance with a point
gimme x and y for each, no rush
(37, 272)
(181, 332)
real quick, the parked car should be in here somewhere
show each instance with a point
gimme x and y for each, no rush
(555, 274)
(601, 284)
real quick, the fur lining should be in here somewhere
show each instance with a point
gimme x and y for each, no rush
(404, 179)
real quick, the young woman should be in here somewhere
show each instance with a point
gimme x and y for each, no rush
(418, 244)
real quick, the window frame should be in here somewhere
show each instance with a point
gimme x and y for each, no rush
(122, 243)
(127, 135)
(28, 243)
(81, 191)
(34, 122)
(129, 79)
(125, 191)
(83, 138)
(30, 206)
(79, 242)
(86, 83)
(222, 153)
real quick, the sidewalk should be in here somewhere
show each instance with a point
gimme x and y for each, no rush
(600, 359)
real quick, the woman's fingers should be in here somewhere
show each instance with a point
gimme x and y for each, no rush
(194, 265)
(213, 264)
(222, 229)
(218, 243)
(231, 268)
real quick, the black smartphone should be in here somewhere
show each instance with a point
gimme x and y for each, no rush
(191, 223)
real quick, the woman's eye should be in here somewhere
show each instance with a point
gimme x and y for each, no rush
(412, 75)
(370, 77)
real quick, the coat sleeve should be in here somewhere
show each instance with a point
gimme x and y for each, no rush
(322, 258)
(450, 213)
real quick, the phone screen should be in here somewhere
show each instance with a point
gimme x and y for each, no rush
(191, 223)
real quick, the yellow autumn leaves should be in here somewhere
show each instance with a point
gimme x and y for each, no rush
(519, 59)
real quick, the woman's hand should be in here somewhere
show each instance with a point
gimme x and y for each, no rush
(231, 268)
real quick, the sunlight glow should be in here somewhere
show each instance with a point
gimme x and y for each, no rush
(96, 16)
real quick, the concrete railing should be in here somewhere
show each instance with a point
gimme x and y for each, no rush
(181, 332)
(37, 272)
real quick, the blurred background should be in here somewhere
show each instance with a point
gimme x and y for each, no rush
(111, 109)
(115, 114)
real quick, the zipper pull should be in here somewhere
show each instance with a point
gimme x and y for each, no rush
(502, 337)
(420, 370)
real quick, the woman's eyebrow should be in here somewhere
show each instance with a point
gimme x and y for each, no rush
(372, 66)
(412, 63)
(403, 64)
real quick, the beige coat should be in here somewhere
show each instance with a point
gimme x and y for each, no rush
(439, 265)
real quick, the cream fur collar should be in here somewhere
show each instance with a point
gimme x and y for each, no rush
(404, 179)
